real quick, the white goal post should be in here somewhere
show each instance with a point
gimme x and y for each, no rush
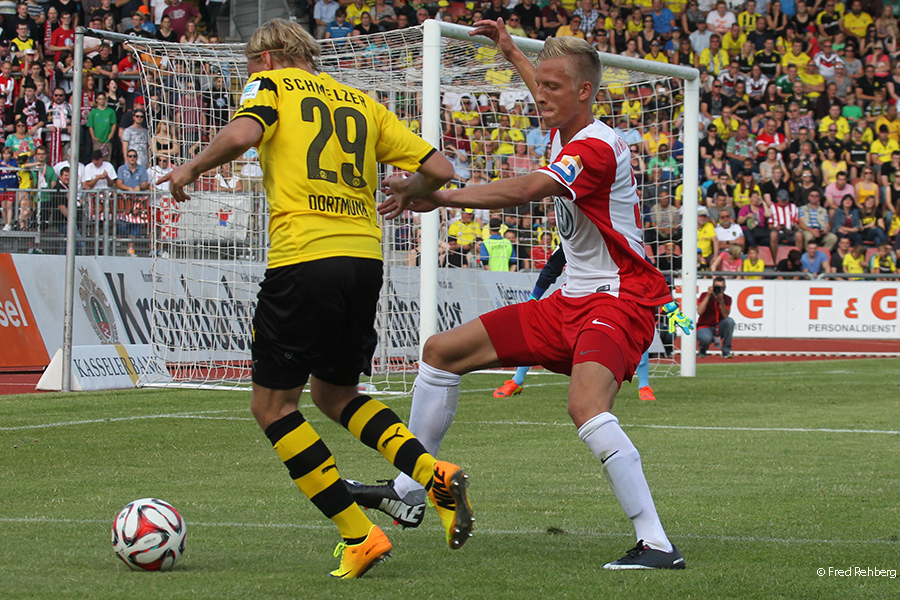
(210, 253)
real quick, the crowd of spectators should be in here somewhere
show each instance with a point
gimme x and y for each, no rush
(800, 148)
(800, 139)
(119, 151)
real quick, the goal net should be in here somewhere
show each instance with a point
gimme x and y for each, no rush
(210, 253)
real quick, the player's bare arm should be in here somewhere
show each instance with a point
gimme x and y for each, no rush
(497, 33)
(234, 139)
(505, 193)
(434, 172)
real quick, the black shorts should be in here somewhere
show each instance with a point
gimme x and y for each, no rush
(786, 236)
(316, 318)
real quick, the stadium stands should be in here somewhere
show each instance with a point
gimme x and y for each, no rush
(812, 94)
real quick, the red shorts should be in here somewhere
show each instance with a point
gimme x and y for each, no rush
(558, 332)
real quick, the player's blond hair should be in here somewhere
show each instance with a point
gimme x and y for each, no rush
(586, 63)
(287, 42)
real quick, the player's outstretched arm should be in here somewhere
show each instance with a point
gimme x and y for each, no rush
(505, 193)
(415, 192)
(232, 141)
(497, 33)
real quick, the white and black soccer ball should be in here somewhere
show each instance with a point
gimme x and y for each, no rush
(149, 535)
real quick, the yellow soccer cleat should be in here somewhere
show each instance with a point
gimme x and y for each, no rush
(359, 558)
(448, 494)
(646, 393)
(508, 389)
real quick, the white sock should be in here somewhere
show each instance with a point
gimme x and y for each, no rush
(621, 465)
(435, 398)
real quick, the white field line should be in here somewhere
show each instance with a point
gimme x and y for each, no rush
(116, 420)
(478, 531)
(211, 416)
(698, 427)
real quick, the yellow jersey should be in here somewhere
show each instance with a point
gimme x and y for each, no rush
(801, 60)
(725, 131)
(884, 151)
(749, 267)
(857, 25)
(715, 62)
(747, 21)
(893, 126)
(810, 80)
(631, 107)
(465, 233)
(853, 264)
(733, 46)
(705, 235)
(842, 125)
(23, 45)
(741, 195)
(656, 141)
(354, 13)
(318, 151)
(520, 122)
(882, 265)
(600, 110)
(466, 115)
(506, 140)
(498, 76)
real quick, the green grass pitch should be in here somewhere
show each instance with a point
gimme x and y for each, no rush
(762, 473)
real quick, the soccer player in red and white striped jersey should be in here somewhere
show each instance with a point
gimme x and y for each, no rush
(596, 327)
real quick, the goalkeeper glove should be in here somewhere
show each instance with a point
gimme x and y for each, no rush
(677, 318)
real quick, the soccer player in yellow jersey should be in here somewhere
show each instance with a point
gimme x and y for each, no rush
(319, 142)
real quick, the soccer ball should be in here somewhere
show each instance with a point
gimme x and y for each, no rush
(149, 535)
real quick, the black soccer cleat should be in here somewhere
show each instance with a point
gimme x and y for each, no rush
(406, 512)
(645, 557)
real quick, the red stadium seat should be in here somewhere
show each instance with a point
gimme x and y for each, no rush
(648, 250)
(826, 251)
(869, 254)
(766, 256)
(457, 9)
(783, 253)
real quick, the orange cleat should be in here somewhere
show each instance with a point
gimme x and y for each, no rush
(359, 558)
(509, 388)
(448, 494)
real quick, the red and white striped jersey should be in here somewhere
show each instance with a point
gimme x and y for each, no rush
(784, 217)
(599, 223)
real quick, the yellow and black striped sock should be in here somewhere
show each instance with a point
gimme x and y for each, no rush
(311, 466)
(378, 427)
